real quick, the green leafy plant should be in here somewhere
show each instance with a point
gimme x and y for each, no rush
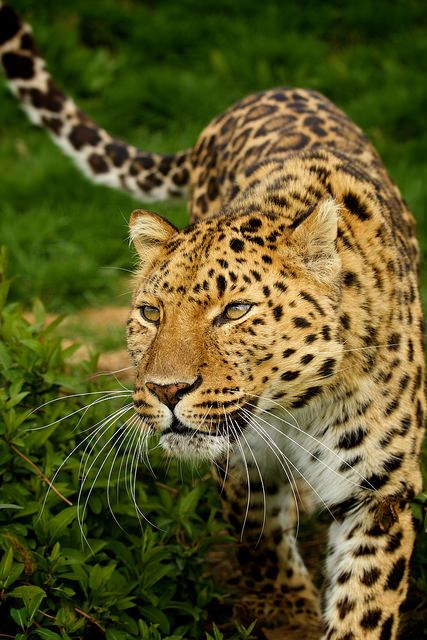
(70, 567)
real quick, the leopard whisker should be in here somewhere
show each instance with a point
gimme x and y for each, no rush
(129, 452)
(126, 430)
(309, 435)
(128, 407)
(132, 436)
(119, 382)
(131, 444)
(228, 452)
(79, 444)
(262, 486)
(75, 395)
(113, 395)
(131, 271)
(144, 453)
(355, 484)
(235, 431)
(132, 476)
(132, 479)
(287, 471)
(144, 450)
(81, 418)
(81, 515)
(108, 421)
(375, 346)
(258, 427)
(111, 373)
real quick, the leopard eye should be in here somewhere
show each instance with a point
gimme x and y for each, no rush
(236, 310)
(151, 314)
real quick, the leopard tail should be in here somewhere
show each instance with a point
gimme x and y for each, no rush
(103, 158)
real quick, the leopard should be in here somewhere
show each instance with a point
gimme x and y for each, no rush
(278, 336)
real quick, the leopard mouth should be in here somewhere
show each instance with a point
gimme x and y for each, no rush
(187, 443)
(238, 419)
(178, 428)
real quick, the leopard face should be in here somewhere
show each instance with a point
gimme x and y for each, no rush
(232, 316)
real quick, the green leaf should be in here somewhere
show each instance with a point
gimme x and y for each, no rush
(125, 603)
(20, 616)
(60, 522)
(47, 634)
(14, 574)
(217, 634)
(32, 344)
(54, 554)
(16, 399)
(156, 616)
(5, 359)
(113, 634)
(153, 573)
(99, 576)
(32, 597)
(10, 506)
(95, 504)
(245, 632)
(189, 502)
(6, 563)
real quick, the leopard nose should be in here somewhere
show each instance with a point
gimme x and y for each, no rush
(171, 394)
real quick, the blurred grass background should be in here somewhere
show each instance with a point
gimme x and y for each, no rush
(155, 73)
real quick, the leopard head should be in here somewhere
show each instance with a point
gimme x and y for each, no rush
(232, 316)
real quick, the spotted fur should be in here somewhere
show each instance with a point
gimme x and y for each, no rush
(315, 394)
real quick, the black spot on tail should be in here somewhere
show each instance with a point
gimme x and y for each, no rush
(117, 152)
(9, 24)
(53, 124)
(97, 163)
(141, 162)
(181, 177)
(17, 66)
(52, 100)
(27, 42)
(82, 135)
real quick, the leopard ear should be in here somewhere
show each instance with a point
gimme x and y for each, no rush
(314, 239)
(148, 233)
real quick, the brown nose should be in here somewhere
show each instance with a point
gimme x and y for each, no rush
(171, 394)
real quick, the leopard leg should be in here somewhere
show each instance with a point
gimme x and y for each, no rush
(367, 573)
(276, 587)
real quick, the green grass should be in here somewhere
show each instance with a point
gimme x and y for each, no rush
(155, 74)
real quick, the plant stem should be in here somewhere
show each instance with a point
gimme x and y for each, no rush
(90, 618)
(41, 474)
